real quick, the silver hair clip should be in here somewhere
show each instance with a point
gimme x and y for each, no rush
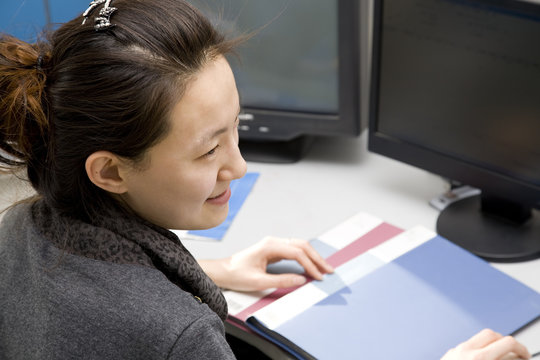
(39, 63)
(102, 21)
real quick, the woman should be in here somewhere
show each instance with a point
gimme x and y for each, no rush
(126, 121)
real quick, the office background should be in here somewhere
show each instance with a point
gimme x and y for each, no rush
(25, 18)
(335, 180)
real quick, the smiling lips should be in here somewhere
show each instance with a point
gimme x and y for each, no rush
(221, 199)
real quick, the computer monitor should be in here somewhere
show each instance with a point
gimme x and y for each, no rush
(456, 91)
(298, 75)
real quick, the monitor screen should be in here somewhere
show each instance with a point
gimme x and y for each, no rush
(455, 91)
(285, 66)
(298, 74)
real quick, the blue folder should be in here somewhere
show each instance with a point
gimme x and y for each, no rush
(416, 307)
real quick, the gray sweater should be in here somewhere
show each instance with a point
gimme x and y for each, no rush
(55, 305)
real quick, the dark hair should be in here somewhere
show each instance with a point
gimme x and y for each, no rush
(85, 90)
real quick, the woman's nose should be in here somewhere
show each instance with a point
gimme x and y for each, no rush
(235, 166)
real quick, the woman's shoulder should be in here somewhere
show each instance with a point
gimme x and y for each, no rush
(109, 284)
(117, 310)
(121, 309)
(137, 302)
(134, 293)
(149, 289)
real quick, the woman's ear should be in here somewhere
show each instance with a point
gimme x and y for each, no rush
(103, 169)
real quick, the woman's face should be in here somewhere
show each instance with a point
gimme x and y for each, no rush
(185, 182)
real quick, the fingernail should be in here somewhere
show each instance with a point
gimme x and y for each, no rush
(299, 280)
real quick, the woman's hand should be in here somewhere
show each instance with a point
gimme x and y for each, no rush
(246, 270)
(488, 345)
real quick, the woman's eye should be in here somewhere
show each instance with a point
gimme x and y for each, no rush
(211, 152)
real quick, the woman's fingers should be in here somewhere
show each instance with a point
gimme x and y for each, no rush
(301, 251)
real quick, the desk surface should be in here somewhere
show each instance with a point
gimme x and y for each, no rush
(337, 179)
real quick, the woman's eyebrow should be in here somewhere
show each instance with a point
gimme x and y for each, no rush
(210, 136)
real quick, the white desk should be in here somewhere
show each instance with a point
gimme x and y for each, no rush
(337, 179)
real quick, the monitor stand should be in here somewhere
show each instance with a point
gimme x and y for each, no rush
(494, 237)
(275, 151)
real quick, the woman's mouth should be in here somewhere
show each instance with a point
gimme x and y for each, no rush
(220, 199)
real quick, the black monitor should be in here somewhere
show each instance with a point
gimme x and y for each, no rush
(298, 76)
(456, 91)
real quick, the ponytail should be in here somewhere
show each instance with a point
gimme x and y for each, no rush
(24, 123)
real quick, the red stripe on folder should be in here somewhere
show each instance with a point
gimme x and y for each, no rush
(373, 238)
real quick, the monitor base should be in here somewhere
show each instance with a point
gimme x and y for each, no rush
(464, 223)
(280, 152)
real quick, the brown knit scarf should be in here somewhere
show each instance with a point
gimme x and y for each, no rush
(126, 239)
